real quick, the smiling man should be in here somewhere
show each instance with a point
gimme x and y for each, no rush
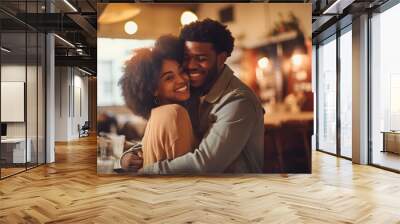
(228, 117)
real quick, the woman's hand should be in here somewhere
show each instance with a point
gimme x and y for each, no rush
(132, 161)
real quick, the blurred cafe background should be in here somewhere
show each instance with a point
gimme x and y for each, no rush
(272, 55)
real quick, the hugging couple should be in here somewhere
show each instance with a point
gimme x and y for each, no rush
(201, 118)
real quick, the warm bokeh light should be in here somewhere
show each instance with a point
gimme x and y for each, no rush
(263, 62)
(297, 59)
(301, 76)
(188, 17)
(131, 27)
(259, 74)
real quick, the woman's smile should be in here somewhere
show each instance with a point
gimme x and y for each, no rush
(182, 89)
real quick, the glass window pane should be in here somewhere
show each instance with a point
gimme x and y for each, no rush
(31, 96)
(346, 94)
(385, 89)
(14, 153)
(41, 98)
(327, 96)
(314, 76)
(22, 83)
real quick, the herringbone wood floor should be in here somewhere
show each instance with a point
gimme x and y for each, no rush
(69, 191)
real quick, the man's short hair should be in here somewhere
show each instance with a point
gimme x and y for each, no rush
(209, 31)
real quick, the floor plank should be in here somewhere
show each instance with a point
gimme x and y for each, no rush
(386, 159)
(69, 191)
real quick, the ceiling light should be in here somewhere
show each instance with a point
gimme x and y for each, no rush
(5, 50)
(131, 27)
(84, 71)
(188, 17)
(263, 62)
(65, 41)
(337, 7)
(70, 5)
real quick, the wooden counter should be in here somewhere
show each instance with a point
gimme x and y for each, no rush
(280, 118)
(287, 142)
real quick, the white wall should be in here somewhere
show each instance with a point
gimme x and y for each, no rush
(12, 73)
(80, 103)
(61, 103)
(70, 83)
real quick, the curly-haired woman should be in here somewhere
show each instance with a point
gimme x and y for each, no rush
(155, 87)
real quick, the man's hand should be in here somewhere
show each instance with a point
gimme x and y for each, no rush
(132, 161)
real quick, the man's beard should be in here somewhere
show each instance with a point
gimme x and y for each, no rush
(211, 77)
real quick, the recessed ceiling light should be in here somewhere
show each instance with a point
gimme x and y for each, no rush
(84, 71)
(65, 41)
(70, 5)
(5, 50)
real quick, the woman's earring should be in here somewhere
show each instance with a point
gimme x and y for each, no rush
(156, 101)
